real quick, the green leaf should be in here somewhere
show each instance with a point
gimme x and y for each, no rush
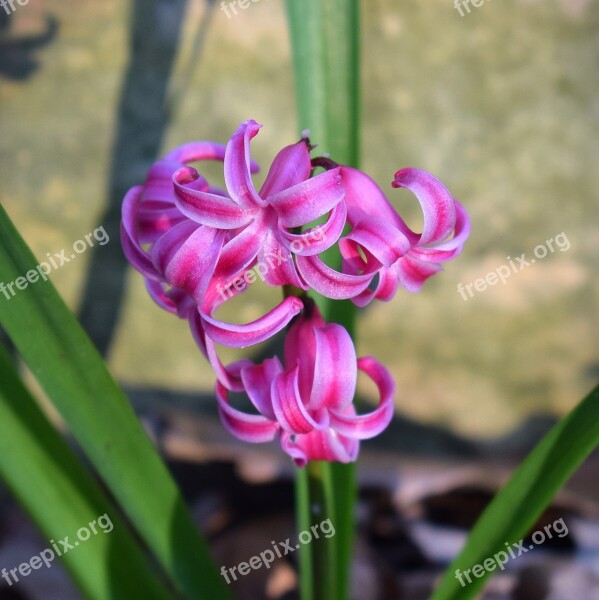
(76, 380)
(515, 509)
(325, 36)
(61, 497)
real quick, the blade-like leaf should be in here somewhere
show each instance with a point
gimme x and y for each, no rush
(325, 36)
(76, 380)
(62, 497)
(517, 506)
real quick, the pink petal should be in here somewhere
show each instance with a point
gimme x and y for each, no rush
(309, 200)
(318, 239)
(368, 426)
(205, 208)
(289, 407)
(194, 151)
(229, 376)
(335, 372)
(437, 203)
(237, 166)
(257, 381)
(380, 238)
(364, 198)
(275, 263)
(240, 336)
(451, 248)
(328, 282)
(187, 256)
(135, 254)
(158, 186)
(249, 428)
(159, 295)
(238, 254)
(320, 445)
(413, 273)
(300, 347)
(291, 166)
(153, 222)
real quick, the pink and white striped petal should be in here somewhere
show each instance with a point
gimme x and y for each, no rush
(363, 427)
(328, 282)
(240, 336)
(246, 427)
(205, 208)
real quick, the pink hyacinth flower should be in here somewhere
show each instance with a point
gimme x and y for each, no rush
(263, 225)
(308, 403)
(181, 264)
(381, 240)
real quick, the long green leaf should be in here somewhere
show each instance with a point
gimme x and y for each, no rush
(325, 36)
(62, 497)
(74, 376)
(518, 505)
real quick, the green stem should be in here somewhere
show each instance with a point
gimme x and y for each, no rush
(325, 36)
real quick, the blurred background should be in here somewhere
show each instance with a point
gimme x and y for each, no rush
(501, 104)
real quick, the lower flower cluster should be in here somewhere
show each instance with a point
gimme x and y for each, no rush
(191, 241)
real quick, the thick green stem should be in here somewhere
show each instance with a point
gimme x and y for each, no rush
(325, 36)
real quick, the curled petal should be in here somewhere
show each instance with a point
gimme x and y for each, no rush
(300, 347)
(453, 247)
(257, 381)
(187, 255)
(291, 166)
(237, 166)
(331, 283)
(159, 295)
(249, 428)
(363, 427)
(205, 208)
(194, 151)
(335, 373)
(135, 254)
(438, 205)
(320, 445)
(154, 221)
(318, 239)
(309, 200)
(289, 407)
(158, 186)
(385, 289)
(229, 376)
(382, 240)
(412, 273)
(240, 251)
(240, 336)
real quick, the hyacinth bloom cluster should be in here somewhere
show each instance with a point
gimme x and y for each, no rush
(190, 240)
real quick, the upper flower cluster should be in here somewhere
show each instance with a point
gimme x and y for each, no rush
(191, 240)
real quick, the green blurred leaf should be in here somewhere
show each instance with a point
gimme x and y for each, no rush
(325, 36)
(61, 497)
(518, 505)
(74, 376)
